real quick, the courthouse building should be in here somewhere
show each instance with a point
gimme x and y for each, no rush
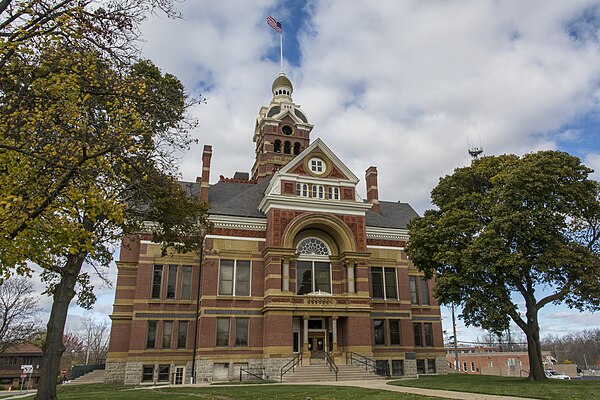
(296, 267)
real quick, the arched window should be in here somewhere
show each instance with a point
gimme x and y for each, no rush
(287, 147)
(277, 146)
(313, 270)
(296, 148)
(313, 245)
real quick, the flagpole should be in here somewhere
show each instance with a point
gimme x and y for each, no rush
(281, 51)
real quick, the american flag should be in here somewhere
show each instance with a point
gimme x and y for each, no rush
(274, 24)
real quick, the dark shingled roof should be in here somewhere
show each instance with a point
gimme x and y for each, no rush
(242, 200)
(391, 215)
(237, 199)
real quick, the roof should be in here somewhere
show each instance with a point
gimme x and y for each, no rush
(237, 199)
(23, 348)
(391, 215)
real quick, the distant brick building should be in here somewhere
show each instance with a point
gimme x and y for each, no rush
(297, 264)
(491, 361)
(13, 359)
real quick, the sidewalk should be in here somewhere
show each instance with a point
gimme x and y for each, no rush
(382, 385)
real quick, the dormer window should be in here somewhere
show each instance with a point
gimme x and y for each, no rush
(317, 166)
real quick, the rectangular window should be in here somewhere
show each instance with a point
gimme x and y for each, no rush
(148, 373)
(428, 334)
(151, 334)
(383, 283)
(186, 283)
(421, 367)
(296, 343)
(156, 281)
(424, 292)
(171, 281)
(226, 277)
(465, 366)
(304, 277)
(222, 331)
(418, 337)
(390, 283)
(413, 290)
(397, 367)
(298, 189)
(163, 373)
(304, 190)
(377, 282)
(431, 366)
(241, 331)
(234, 277)
(395, 338)
(242, 278)
(167, 334)
(379, 331)
(472, 366)
(490, 363)
(182, 335)
(382, 367)
(322, 278)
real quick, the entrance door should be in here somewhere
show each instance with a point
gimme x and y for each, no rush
(316, 344)
(179, 374)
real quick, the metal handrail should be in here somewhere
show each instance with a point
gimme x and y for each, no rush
(250, 373)
(332, 367)
(366, 361)
(294, 361)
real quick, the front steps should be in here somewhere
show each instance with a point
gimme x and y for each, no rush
(95, 376)
(321, 373)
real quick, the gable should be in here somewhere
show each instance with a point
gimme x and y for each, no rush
(331, 168)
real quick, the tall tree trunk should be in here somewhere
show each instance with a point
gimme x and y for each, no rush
(534, 348)
(53, 347)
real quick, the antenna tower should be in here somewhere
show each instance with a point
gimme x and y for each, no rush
(475, 151)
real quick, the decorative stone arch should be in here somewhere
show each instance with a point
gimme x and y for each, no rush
(332, 226)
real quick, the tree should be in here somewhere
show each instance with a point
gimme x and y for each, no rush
(582, 348)
(19, 312)
(513, 229)
(95, 335)
(88, 142)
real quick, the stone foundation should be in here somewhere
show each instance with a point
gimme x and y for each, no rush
(133, 373)
(441, 366)
(115, 372)
(410, 368)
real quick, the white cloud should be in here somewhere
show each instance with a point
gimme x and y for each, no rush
(400, 85)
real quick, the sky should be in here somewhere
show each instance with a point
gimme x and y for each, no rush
(406, 86)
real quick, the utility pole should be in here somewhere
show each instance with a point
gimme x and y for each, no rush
(455, 340)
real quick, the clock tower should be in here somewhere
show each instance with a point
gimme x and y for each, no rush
(281, 131)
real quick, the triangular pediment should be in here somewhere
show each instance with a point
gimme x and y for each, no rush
(333, 167)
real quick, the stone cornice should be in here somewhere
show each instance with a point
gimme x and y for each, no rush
(387, 233)
(232, 222)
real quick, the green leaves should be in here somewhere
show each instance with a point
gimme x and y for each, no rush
(506, 225)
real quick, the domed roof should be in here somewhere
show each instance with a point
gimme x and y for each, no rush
(282, 80)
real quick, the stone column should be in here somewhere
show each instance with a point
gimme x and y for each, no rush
(334, 332)
(350, 269)
(305, 352)
(285, 287)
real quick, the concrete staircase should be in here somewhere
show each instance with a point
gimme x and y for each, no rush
(95, 376)
(321, 373)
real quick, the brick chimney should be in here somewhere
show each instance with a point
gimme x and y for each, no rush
(204, 181)
(372, 191)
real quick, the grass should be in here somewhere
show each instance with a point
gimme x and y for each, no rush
(241, 392)
(518, 387)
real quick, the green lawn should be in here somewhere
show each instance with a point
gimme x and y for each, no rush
(549, 389)
(242, 392)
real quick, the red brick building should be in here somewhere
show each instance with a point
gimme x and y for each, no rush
(297, 265)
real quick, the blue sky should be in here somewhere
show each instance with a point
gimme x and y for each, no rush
(400, 85)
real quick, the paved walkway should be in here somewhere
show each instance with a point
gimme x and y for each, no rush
(382, 385)
(367, 384)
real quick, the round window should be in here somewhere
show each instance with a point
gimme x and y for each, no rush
(316, 165)
(287, 130)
